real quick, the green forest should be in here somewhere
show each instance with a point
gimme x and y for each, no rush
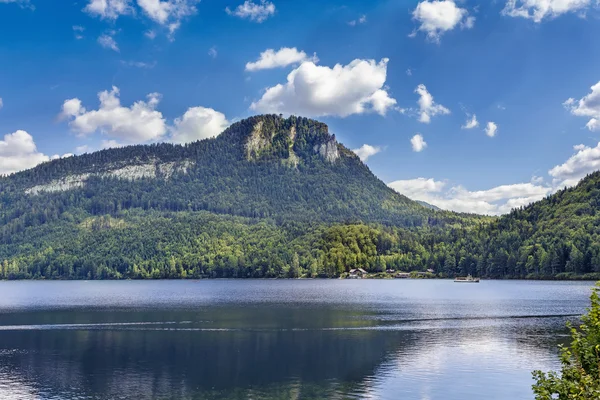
(270, 197)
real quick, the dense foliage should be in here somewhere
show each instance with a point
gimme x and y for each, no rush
(270, 197)
(579, 378)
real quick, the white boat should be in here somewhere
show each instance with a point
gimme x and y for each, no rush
(467, 279)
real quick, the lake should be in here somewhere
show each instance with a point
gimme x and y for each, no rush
(281, 339)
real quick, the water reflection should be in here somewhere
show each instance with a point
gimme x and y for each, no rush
(279, 350)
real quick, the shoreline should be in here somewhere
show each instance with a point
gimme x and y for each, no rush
(297, 279)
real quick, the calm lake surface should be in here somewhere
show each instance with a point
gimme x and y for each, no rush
(302, 339)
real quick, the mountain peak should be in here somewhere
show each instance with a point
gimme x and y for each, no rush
(292, 139)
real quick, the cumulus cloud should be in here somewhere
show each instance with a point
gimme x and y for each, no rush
(257, 12)
(343, 90)
(417, 189)
(585, 161)
(213, 52)
(138, 123)
(427, 106)
(440, 16)
(110, 144)
(538, 10)
(494, 201)
(168, 13)
(491, 129)
(198, 123)
(366, 151)
(587, 106)
(281, 58)
(109, 9)
(418, 143)
(18, 152)
(108, 42)
(471, 122)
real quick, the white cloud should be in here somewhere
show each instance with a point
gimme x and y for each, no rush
(409, 72)
(438, 17)
(491, 129)
(78, 31)
(257, 12)
(281, 58)
(139, 64)
(494, 201)
(213, 52)
(168, 13)
(359, 21)
(198, 123)
(109, 9)
(110, 144)
(427, 106)
(57, 156)
(538, 10)
(22, 3)
(418, 143)
(1, 103)
(366, 151)
(139, 123)
(150, 34)
(419, 188)
(343, 90)
(136, 124)
(104, 144)
(18, 152)
(83, 149)
(502, 199)
(108, 42)
(587, 106)
(471, 122)
(585, 161)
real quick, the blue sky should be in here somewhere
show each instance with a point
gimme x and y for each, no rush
(183, 70)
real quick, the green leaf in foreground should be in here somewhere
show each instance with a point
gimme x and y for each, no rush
(579, 378)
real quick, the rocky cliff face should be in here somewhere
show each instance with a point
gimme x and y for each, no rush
(258, 141)
(283, 141)
(153, 169)
(329, 150)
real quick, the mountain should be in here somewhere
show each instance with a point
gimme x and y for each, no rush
(266, 167)
(269, 197)
(245, 203)
(555, 238)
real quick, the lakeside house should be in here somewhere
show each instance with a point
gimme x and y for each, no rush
(402, 275)
(357, 273)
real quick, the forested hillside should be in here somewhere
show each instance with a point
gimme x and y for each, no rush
(269, 197)
(262, 167)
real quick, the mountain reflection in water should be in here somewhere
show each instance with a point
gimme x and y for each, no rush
(252, 339)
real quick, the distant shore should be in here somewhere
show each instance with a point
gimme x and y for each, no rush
(561, 279)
